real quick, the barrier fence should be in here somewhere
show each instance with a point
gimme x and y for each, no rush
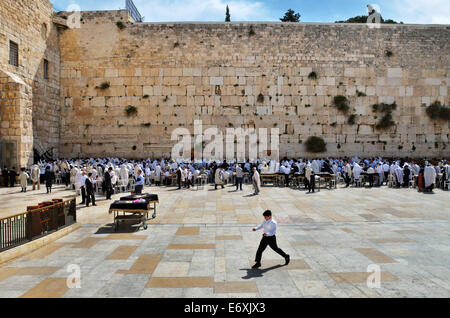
(38, 221)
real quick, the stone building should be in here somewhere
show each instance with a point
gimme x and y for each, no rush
(116, 87)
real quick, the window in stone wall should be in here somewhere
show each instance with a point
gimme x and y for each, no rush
(45, 69)
(13, 53)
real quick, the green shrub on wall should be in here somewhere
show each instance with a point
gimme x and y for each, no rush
(436, 111)
(315, 144)
(131, 110)
(341, 103)
(385, 122)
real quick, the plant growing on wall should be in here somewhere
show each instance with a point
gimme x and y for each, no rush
(437, 111)
(388, 53)
(360, 94)
(385, 122)
(104, 85)
(341, 103)
(131, 110)
(315, 144)
(312, 76)
(120, 25)
(351, 119)
(260, 98)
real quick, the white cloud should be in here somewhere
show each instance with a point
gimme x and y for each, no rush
(418, 11)
(201, 10)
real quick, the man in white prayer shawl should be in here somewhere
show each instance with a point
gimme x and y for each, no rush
(429, 176)
(116, 175)
(158, 175)
(124, 175)
(315, 166)
(399, 174)
(356, 170)
(78, 181)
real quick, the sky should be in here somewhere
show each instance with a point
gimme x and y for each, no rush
(407, 11)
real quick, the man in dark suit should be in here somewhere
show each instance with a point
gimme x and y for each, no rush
(179, 176)
(5, 174)
(108, 184)
(48, 177)
(90, 193)
(12, 177)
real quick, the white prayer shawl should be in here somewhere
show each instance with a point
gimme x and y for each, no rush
(78, 180)
(308, 171)
(124, 174)
(429, 175)
(315, 166)
(272, 166)
(158, 173)
(113, 177)
(116, 174)
(399, 174)
(256, 180)
(356, 170)
(73, 173)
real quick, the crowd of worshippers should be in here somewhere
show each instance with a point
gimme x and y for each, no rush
(87, 175)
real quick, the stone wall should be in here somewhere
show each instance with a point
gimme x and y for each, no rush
(225, 74)
(174, 73)
(30, 25)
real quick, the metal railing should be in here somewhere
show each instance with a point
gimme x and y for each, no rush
(133, 11)
(38, 221)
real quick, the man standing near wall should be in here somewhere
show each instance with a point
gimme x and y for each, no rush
(35, 177)
(239, 176)
(108, 184)
(139, 185)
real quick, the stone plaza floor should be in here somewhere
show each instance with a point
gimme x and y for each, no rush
(201, 244)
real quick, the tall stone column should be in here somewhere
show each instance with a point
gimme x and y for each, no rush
(16, 129)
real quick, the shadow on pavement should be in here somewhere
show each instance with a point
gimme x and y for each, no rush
(256, 272)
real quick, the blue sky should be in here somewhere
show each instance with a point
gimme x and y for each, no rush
(408, 11)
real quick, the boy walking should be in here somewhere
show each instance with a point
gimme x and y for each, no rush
(269, 238)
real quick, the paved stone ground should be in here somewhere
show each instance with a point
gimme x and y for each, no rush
(201, 245)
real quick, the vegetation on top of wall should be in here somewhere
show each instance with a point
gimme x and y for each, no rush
(251, 32)
(315, 144)
(437, 111)
(341, 103)
(312, 76)
(131, 110)
(290, 16)
(121, 25)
